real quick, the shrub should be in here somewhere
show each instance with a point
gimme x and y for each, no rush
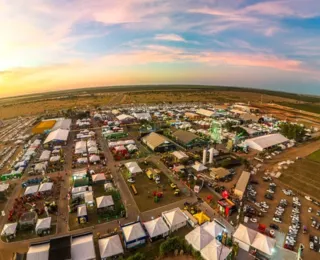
(137, 256)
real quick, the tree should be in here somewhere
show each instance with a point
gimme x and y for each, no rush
(292, 131)
(137, 256)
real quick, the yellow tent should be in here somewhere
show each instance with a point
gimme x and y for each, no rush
(201, 217)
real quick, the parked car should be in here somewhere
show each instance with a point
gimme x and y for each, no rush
(274, 226)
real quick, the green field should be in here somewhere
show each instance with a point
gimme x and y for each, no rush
(308, 107)
(304, 176)
(315, 156)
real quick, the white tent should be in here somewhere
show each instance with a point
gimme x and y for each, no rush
(43, 223)
(82, 160)
(199, 167)
(244, 236)
(110, 246)
(31, 190)
(38, 252)
(156, 227)
(104, 201)
(213, 228)
(263, 142)
(81, 147)
(133, 167)
(9, 229)
(4, 186)
(93, 150)
(46, 186)
(55, 158)
(57, 135)
(142, 116)
(91, 143)
(79, 173)
(98, 177)
(264, 243)
(133, 232)
(88, 197)
(82, 210)
(39, 167)
(199, 238)
(82, 247)
(94, 158)
(215, 251)
(174, 218)
(180, 155)
(45, 155)
(132, 147)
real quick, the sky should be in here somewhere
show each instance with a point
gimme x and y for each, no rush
(49, 45)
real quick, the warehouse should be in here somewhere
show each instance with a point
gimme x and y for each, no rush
(186, 138)
(205, 112)
(158, 143)
(58, 136)
(63, 123)
(266, 141)
(242, 184)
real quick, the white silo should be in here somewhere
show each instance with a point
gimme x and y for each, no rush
(204, 158)
(211, 152)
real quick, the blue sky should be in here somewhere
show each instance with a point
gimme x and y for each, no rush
(63, 44)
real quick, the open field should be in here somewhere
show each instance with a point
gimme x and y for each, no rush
(303, 176)
(145, 189)
(315, 156)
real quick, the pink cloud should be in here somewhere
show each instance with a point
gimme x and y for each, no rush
(169, 37)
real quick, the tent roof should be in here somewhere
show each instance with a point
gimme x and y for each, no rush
(133, 232)
(45, 155)
(110, 246)
(154, 140)
(184, 136)
(156, 227)
(180, 155)
(213, 228)
(82, 247)
(98, 177)
(243, 181)
(133, 167)
(201, 217)
(215, 251)
(37, 252)
(104, 201)
(174, 217)
(199, 167)
(46, 186)
(199, 238)
(264, 243)
(9, 229)
(82, 210)
(31, 189)
(245, 234)
(57, 135)
(43, 223)
(266, 141)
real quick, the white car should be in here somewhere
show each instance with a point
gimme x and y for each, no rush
(308, 198)
(309, 210)
(131, 180)
(253, 220)
(270, 191)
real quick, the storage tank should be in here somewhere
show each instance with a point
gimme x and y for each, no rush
(211, 152)
(204, 159)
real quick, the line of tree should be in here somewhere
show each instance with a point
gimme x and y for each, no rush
(292, 131)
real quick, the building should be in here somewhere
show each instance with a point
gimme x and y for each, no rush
(242, 183)
(180, 156)
(158, 143)
(133, 234)
(43, 226)
(266, 141)
(142, 116)
(110, 247)
(9, 230)
(39, 251)
(82, 247)
(59, 136)
(205, 112)
(191, 115)
(82, 214)
(175, 219)
(186, 138)
(105, 203)
(63, 123)
(220, 173)
(156, 229)
(251, 118)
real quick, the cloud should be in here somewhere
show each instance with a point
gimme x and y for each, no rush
(169, 37)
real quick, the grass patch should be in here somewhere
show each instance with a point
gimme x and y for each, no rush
(309, 107)
(146, 187)
(315, 156)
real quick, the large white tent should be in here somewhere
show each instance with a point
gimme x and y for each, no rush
(110, 246)
(82, 247)
(9, 229)
(199, 238)
(180, 155)
(244, 236)
(264, 243)
(104, 201)
(133, 232)
(37, 252)
(174, 218)
(215, 251)
(199, 167)
(81, 147)
(46, 186)
(133, 167)
(57, 135)
(156, 227)
(43, 223)
(98, 177)
(213, 228)
(31, 190)
(263, 142)
(45, 155)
